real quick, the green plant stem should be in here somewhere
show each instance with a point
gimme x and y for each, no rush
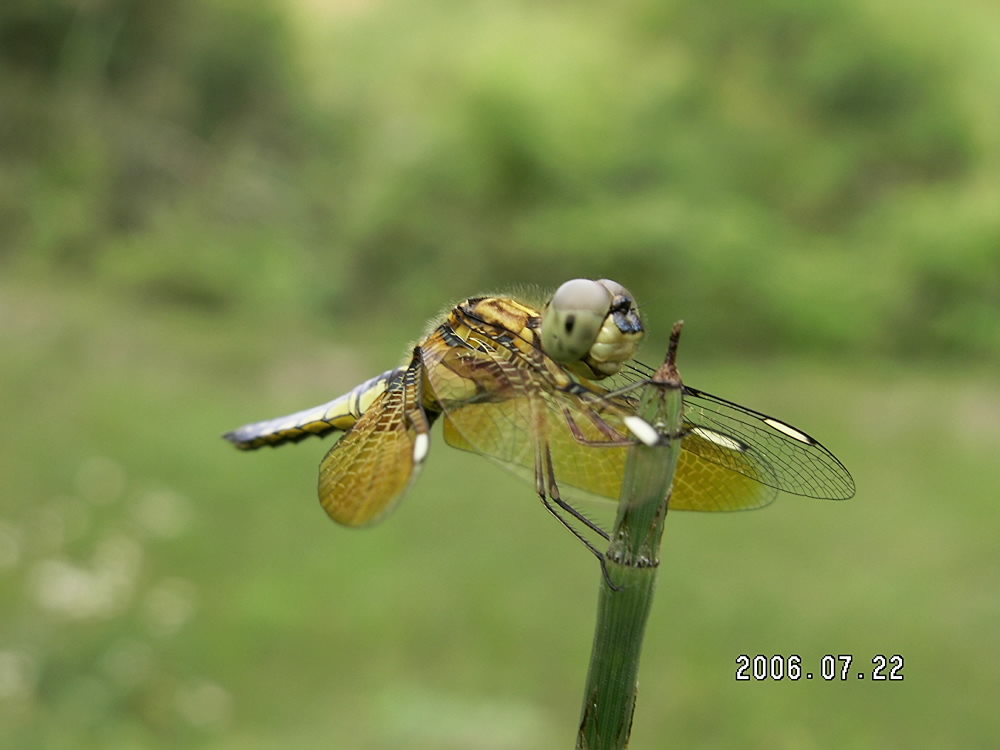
(632, 562)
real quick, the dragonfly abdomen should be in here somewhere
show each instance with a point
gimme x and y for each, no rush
(340, 414)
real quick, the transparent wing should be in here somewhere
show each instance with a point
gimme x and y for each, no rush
(504, 405)
(508, 430)
(762, 448)
(799, 464)
(498, 430)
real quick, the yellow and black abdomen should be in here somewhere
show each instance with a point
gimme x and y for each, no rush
(340, 414)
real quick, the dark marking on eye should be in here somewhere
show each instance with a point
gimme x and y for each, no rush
(570, 323)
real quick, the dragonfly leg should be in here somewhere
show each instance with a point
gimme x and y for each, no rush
(548, 491)
(552, 491)
(416, 415)
(617, 440)
(601, 559)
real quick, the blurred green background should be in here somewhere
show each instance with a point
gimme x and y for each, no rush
(215, 212)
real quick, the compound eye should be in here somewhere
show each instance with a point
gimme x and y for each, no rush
(622, 297)
(573, 318)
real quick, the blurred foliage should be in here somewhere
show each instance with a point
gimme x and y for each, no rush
(825, 170)
(162, 590)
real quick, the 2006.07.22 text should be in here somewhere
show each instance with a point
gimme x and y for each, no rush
(829, 668)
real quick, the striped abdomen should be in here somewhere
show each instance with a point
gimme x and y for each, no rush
(340, 414)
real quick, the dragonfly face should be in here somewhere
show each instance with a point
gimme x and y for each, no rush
(592, 328)
(550, 393)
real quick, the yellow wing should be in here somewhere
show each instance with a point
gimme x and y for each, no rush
(365, 474)
(520, 402)
(597, 466)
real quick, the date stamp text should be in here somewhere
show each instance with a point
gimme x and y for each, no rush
(829, 668)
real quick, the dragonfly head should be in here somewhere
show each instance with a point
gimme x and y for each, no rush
(593, 327)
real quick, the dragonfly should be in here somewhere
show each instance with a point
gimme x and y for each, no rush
(551, 393)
